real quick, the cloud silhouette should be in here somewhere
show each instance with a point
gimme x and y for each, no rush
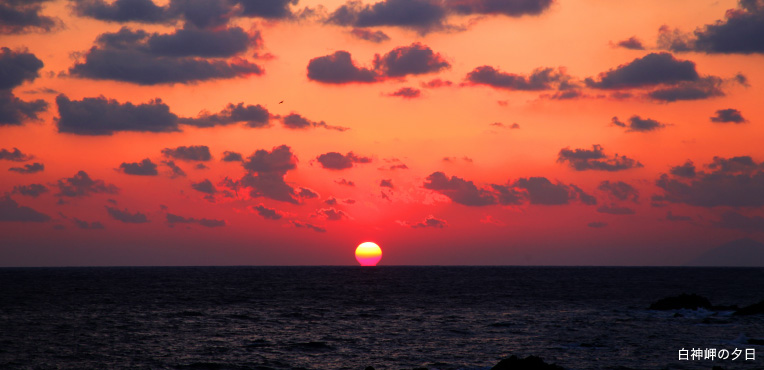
(595, 159)
(28, 168)
(638, 124)
(189, 153)
(22, 16)
(126, 216)
(143, 168)
(254, 116)
(338, 161)
(10, 211)
(31, 190)
(81, 185)
(101, 116)
(727, 116)
(173, 219)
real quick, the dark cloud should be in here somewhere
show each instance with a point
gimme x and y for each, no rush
(650, 70)
(175, 171)
(332, 201)
(436, 83)
(331, 214)
(17, 67)
(81, 185)
(595, 159)
(508, 195)
(16, 155)
(21, 16)
(672, 217)
(10, 211)
(675, 40)
(14, 111)
(414, 59)
(543, 192)
(369, 35)
(205, 187)
(295, 121)
(597, 224)
(271, 9)
(512, 8)
(143, 168)
(254, 116)
(339, 68)
(735, 220)
(585, 198)
(279, 160)
(459, 190)
(306, 193)
(267, 213)
(429, 221)
(232, 157)
(95, 225)
(99, 116)
(125, 216)
(734, 182)
(513, 126)
(31, 190)
(686, 170)
(189, 153)
(128, 56)
(345, 182)
(300, 224)
(615, 210)
(28, 168)
(201, 166)
(728, 115)
(739, 33)
(173, 219)
(202, 13)
(632, 43)
(619, 190)
(420, 15)
(386, 183)
(703, 88)
(540, 79)
(143, 11)
(638, 124)
(338, 161)
(406, 93)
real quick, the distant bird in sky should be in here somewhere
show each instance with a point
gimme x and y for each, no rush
(281, 102)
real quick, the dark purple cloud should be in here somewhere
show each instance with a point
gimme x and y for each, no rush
(143, 168)
(651, 70)
(369, 35)
(459, 190)
(271, 9)
(205, 187)
(126, 216)
(279, 159)
(727, 116)
(18, 67)
(428, 222)
(615, 210)
(619, 190)
(22, 16)
(14, 111)
(345, 182)
(229, 156)
(406, 93)
(306, 193)
(28, 168)
(703, 88)
(686, 170)
(733, 182)
(143, 11)
(10, 211)
(739, 33)
(331, 214)
(175, 170)
(173, 219)
(436, 83)
(300, 224)
(253, 116)
(267, 213)
(339, 161)
(638, 124)
(414, 59)
(81, 185)
(512, 8)
(386, 183)
(295, 121)
(15, 155)
(419, 15)
(540, 79)
(735, 220)
(95, 225)
(541, 191)
(595, 159)
(31, 190)
(99, 116)
(265, 174)
(189, 153)
(632, 43)
(338, 68)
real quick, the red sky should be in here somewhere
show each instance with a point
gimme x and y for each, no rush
(449, 132)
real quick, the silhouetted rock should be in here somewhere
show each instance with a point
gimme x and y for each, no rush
(754, 309)
(688, 301)
(369, 368)
(528, 363)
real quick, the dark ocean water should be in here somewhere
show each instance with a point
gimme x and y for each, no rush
(352, 317)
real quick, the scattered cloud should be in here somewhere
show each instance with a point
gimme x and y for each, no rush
(232, 157)
(338, 161)
(205, 186)
(254, 116)
(28, 168)
(429, 222)
(267, 213)
(619, 190)
(686, 170)
(10, 211)
(369, 35)
(331, 214)
(650, 70)
(101, 116)
(300, 224)
(386, 183)
(595, 159)
(173, 219)
(15, 155)
(175, 170)
(632, 43)
(638, 124)
(406, 93)
(189, 153)
(295, 121)
(81, 185)
(265, 174)
(95, 225)
(23, 16)
(727, 116)
(419, 15)
(31, 190)
(339, 68)
(143, 168)
(345, 182)
(126, 216)
(436, 83)
(18, 67)
(539, 79)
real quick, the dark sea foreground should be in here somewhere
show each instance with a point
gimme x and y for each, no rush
(386, 317)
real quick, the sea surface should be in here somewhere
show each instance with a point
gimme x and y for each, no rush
(353, 317)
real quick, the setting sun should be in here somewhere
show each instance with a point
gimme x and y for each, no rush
(368, 254)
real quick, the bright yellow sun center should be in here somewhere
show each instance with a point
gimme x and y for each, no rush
(368, 254)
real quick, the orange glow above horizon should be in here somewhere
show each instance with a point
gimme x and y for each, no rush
(368, 254)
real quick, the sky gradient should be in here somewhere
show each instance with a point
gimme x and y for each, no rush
(244, 132)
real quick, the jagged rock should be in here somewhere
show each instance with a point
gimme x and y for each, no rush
(528, 363)
(688, 301)
(754, 309)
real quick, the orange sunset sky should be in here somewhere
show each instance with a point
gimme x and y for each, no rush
(286, 132)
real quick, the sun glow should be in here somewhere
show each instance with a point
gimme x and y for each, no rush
(368, 254)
